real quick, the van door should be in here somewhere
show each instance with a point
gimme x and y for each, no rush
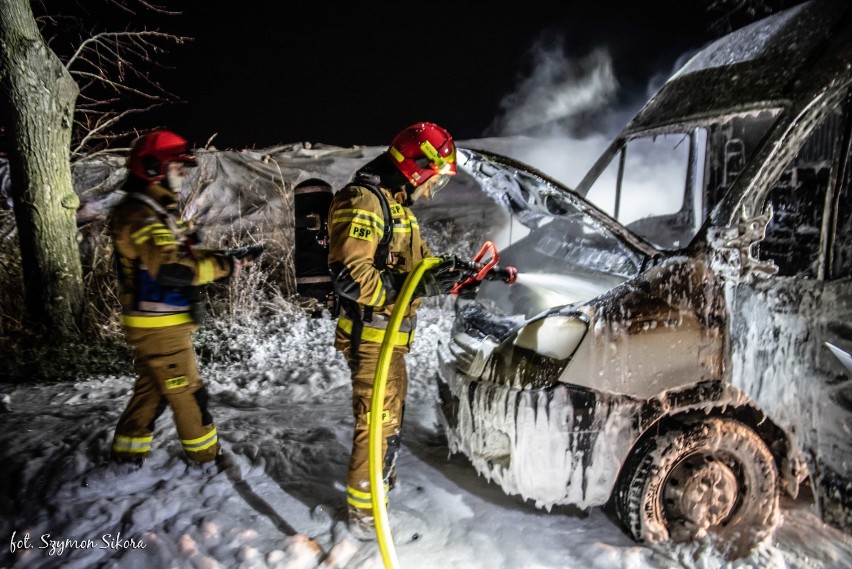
(782, 325)
(834, 361)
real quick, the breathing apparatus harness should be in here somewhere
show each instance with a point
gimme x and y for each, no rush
(350, 307)
(188, 240)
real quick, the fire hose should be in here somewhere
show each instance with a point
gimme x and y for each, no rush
(472, 272)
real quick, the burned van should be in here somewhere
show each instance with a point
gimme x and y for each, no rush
(677, 343)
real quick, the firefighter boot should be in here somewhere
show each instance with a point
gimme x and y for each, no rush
(361, 524)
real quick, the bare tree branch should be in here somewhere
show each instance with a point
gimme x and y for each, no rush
(116, 85)
(115, 69)
(153, 7)
(132, 39)
(108, 66)
(101, 126)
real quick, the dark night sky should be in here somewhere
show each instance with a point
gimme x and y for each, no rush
(260, 73)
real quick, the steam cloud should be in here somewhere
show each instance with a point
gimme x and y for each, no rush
(559, 88)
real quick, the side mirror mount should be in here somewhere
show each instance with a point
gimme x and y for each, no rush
(740, 240)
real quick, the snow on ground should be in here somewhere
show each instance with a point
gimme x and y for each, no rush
(283, 412)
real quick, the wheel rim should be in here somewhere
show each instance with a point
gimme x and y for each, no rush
(701, 492)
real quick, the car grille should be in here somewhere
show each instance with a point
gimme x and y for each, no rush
(476, 332)
(462, 349)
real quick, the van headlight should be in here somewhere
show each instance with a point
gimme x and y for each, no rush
(540, 351)
(555, 336)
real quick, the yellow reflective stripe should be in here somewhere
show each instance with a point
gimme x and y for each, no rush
(359, 503)
(361, 499)
(177, 382)
(376, 335)
(360, 218)
(347, 215)
(355, 493)
(139, 232)
(163, 237)
(157, 230)
(142, 238)
(206, 270)
(201, 443)
(123, 443)
(432, 154)
(402, 228)
(156, 321)
(378, 296)
(397, 155)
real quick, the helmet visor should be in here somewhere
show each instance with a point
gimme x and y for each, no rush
(441, 180)
(432, 185)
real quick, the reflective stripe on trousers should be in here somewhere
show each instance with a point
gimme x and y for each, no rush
(375, 335)
(167, 376)
(201, 443)
(361, 499)
(358, 479)
(122, 443)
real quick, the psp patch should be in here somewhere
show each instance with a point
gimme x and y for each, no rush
(362, 232)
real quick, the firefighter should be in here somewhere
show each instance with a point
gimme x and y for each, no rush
(159, 271)
(374, 242)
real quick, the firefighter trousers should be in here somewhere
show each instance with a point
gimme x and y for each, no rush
(363, 368)
(167, 376)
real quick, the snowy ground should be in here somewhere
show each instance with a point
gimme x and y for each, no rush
(284, 413)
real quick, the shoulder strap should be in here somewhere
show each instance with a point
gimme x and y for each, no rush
(371, 183)
(168, 219)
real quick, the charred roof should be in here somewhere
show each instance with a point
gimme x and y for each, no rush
(795, 52)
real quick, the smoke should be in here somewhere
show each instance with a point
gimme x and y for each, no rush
(562, 114)
(557, 93)
(658, 79)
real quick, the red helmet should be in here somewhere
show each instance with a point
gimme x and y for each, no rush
(150, 154)
(423, 150)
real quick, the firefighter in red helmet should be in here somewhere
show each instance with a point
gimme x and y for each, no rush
(374, 242)
(159, 270)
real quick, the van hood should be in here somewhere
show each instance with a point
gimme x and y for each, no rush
(532, 196)
(573, 251)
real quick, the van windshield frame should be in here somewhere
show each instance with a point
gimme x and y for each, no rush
(662, 184)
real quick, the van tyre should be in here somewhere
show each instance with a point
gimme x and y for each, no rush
(712, 479)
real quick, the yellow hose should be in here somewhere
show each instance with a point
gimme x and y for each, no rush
(377, 483)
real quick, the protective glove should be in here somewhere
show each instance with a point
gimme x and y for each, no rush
(435, 280)
(469, 290)
(439, 279)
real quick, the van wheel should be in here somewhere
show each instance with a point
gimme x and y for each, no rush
(712, 479)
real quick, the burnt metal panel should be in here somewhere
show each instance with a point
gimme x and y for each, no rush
(755, 65)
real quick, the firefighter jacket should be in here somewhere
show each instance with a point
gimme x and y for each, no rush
(356, 227)
(158, 269)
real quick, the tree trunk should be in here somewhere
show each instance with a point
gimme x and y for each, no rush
(37, 96)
